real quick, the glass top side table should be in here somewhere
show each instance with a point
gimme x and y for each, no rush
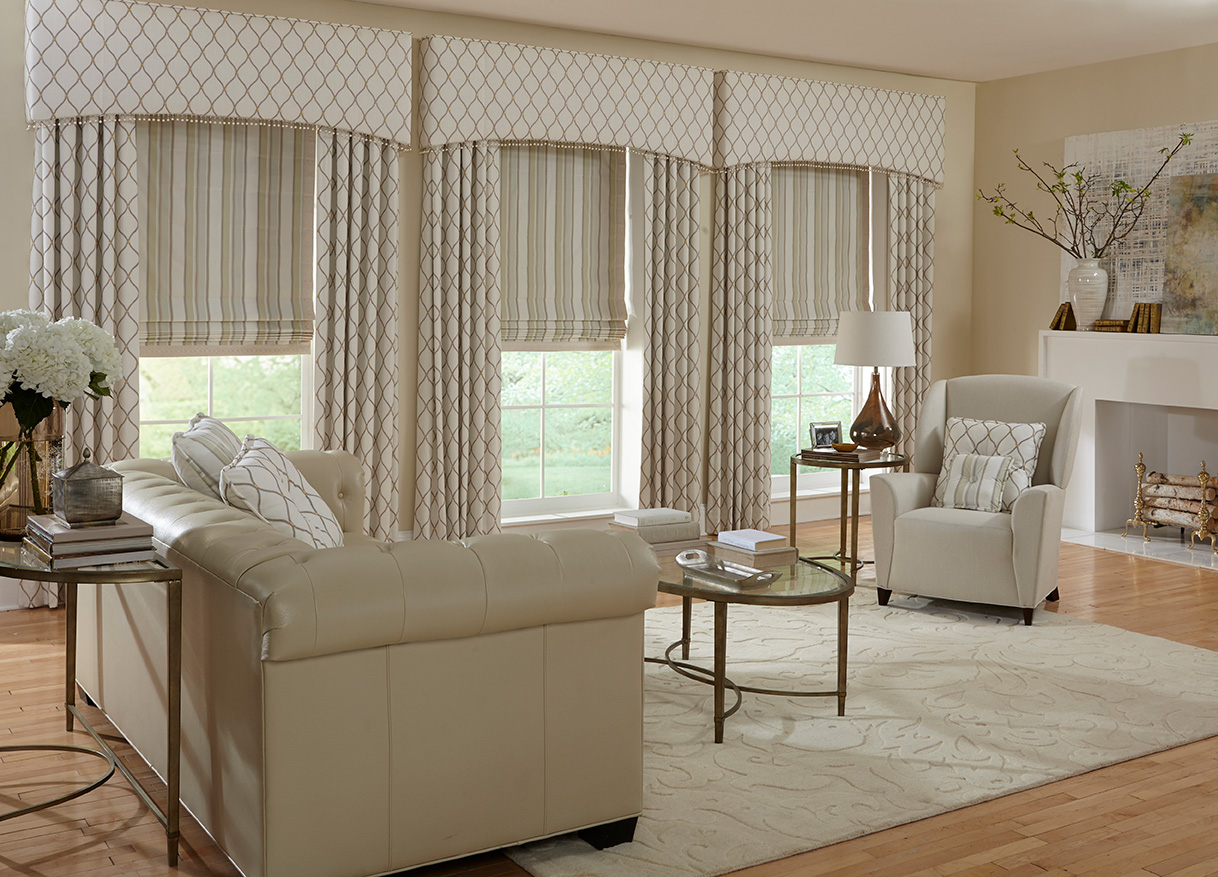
(851, 472)
(19, 563)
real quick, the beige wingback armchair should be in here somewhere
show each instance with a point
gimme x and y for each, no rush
(999, 558)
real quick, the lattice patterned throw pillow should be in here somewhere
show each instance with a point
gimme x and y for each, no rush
(993, 438)
(976, 482)
(264, 481)
(202, 451)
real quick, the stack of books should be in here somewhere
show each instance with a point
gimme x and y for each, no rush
(62, 547)
(755, 548)
(825, 455)
(668, 531)
(1145, 318)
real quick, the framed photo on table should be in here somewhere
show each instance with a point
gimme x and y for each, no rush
(825, 434)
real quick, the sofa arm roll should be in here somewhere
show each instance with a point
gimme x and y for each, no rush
(344, 599)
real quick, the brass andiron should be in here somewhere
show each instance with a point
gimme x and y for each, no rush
(1138, 503)
(1203, 531)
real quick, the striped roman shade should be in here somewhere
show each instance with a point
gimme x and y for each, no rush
(563, 247)
(820, 249)
(227, 216)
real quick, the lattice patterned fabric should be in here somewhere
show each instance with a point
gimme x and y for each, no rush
(911, 266)
(202, 451)
(1019, 441)
(480, 90)
(263, 481)
(457, 492)
(117, 57)
(975, 481)
(782, 119)
(672, 436)
(738, 454)
(84, 263)
(355, 365)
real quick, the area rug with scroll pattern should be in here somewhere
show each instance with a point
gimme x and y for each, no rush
(948, 706)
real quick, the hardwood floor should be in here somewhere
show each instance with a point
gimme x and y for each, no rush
(1150, 816)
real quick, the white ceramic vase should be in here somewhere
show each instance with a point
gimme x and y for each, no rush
(1087, 283)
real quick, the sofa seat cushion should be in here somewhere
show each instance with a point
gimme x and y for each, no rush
(951, 553)
(262, 480)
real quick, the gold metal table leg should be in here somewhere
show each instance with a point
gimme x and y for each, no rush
(843, 627)
(69, 694)
(687, 604)
(791, 503)
(174, 720)
(854, 526)
(720, 666)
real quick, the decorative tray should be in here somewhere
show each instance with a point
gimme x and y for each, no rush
(725, 572)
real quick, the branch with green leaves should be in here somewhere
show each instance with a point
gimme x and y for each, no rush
(1089, 216)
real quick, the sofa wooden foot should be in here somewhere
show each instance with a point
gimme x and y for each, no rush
(1053, 596)
(882, 594)
(611, 834)
(1027, 616)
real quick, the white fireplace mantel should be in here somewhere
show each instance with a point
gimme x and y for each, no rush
(1152, 393)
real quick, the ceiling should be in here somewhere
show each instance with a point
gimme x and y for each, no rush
(970, 40)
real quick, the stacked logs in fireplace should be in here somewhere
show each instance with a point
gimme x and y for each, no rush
(1185, 501)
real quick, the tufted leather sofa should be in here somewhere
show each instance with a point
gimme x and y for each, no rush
(370, 708)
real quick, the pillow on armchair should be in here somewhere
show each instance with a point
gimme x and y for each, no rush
(976, 482)
(993, 438)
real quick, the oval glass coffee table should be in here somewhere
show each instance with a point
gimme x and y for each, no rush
(801, 584)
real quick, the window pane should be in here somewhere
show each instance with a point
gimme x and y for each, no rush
(173, 388)
(521, 379)
(521, 453)
(284, 434)
(256, 386)
(784, 370)
(579, 377)
(784, 435)
(578, 451)
(819, 374)
(155, 440)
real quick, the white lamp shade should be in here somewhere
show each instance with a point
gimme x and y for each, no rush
(871, 338)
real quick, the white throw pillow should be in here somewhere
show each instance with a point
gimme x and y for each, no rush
(993, 438)
(975, 481)
(202, 451)
(261, 479)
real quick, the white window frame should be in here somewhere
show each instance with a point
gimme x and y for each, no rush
(558, 505)
(307, 432)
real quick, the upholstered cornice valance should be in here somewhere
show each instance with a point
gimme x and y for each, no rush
(479, 90)
(781, 119)
(120, 58)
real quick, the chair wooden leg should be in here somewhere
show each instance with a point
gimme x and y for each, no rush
(1053, 596)
(882, 594)
(1027, 616)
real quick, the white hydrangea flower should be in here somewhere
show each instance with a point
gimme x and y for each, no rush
(98, 345)
(10, 320)
(48, 360)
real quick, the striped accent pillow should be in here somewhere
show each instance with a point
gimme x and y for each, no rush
(1019, 441)
(202, 451)
(975, 481)
(264, 481)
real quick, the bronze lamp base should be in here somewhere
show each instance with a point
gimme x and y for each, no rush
(875, 427)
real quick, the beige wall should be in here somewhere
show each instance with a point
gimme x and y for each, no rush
(954, 218)
(1016, 277)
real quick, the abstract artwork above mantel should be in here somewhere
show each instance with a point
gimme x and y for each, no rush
(1137, 264)
(1190, 269)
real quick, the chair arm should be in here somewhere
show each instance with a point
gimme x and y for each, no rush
(1036, 529)
(892, 495)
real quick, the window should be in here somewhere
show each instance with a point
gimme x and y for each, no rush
(262, 395)
(806, 387)
(559, 430)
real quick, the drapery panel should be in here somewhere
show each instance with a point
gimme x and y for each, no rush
(457, 492)
(227, 223)
(356, 361)
(563, 241)
(118, 57)
(672, 412)
(911, 256)
(821, 257)
(738, 453)
(84, 263)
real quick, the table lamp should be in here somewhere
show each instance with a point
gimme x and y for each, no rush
(875, 338)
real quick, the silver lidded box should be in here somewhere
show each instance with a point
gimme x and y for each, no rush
(87, 494)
